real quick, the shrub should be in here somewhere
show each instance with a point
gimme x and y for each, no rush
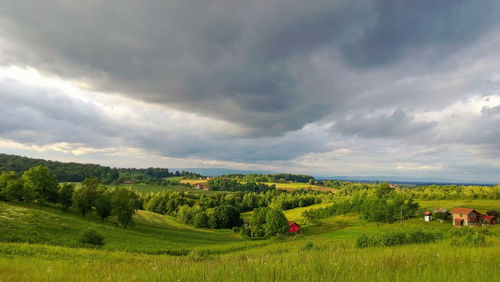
(92, 237)
(397, 238)
(467, 237)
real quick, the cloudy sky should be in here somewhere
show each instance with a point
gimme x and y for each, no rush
(401, 88)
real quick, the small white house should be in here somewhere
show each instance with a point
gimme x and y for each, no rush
(427, 216)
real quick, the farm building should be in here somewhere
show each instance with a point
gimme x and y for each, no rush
(427, 216)
(488, 219)
(198, 186)
(440, 210)
(293, 227)
(465, 217)
(127, 181)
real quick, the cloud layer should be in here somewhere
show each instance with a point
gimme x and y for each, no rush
(262, 82)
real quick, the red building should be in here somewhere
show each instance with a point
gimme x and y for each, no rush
(488, 219)
(293, 227)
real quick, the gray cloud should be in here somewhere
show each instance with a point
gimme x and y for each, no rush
(396, 125)
(46, 116)
(244, 62)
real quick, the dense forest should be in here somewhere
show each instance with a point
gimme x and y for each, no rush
(277, 178)
(77, 172)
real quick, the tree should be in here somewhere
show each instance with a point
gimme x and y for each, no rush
(123, 205)
(84, 198)
(66, 195)
(226, 216)
(103, 205)
(442, 216)
(276, 222)
(44, 185)
(383, 189)
(200, 220)
(11, 186)
(185, 214)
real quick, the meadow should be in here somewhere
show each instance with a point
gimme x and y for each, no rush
(39, 243)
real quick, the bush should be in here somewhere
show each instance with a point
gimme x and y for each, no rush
(467, 237)
(397, 238)
(92, 237)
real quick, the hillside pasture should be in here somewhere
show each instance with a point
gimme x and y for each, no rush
(150, 233)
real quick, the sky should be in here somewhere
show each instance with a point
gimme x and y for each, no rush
(405, 88)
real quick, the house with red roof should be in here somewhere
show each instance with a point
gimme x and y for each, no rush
(293, 227)
(488, 219)
(427, 216)
(466, 217)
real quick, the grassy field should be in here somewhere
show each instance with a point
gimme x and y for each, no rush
(148, 188)
(193, 181)
(39, 243)
(151, 233)
(297, 185)
(480, 205)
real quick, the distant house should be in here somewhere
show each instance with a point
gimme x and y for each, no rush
(427, 216)
(465, 217)
(198, 186)
(440, 210)
(488, 219)
(127, 181)
(293, 227)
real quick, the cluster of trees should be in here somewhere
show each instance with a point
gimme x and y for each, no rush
(396, 238)
(153, 175)
(380, 204)
(76, 172)
(67, 172)
(453, 192)
(38, 185)
(277, 178)
(91, 196)
(35, 185)
(266, 222)
(202, 210)
(231, 184)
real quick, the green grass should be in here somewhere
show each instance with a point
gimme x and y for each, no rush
(328, 260)
(45, 249)
(148, 188)
(151, 233)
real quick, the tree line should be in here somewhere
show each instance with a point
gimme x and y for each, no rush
(77, 172)
(277, 178)
(380, 204)
(38, 185)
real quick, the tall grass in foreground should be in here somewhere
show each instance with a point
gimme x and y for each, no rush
(328, 262)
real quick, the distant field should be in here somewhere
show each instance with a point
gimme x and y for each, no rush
(481, 205)
(297, 185)
(174, 178)
(194, 181)
(147, 188)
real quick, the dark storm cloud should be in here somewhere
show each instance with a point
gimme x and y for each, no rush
(247, 62)
(46, 116)
(408, 25)
(42, 116)
(396, 125)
